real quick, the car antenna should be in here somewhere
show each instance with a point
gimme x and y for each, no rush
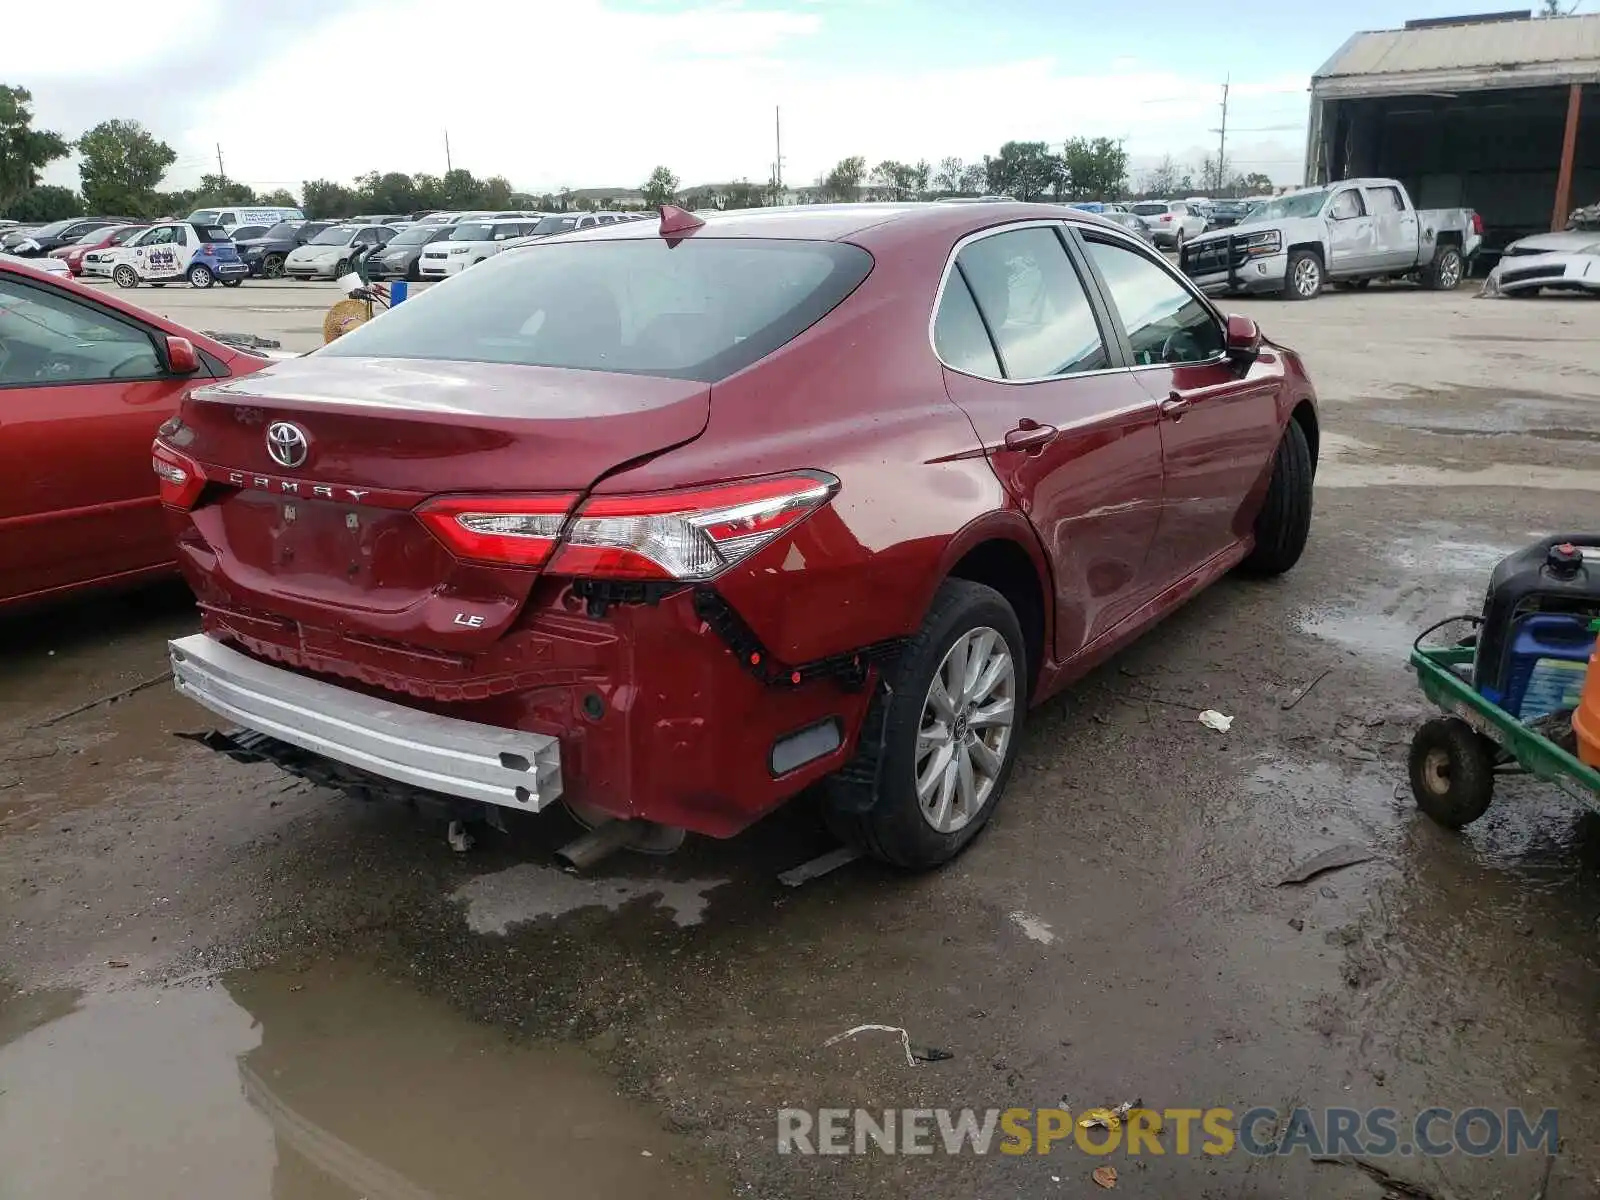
(678, 223)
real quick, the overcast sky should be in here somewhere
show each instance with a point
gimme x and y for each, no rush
(590, 93)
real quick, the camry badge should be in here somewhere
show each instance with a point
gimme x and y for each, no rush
(287, 444)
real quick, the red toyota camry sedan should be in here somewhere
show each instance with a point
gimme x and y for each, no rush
(673, 519)
(85, 382)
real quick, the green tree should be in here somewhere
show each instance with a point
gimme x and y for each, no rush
(743, 194)
(844, 181)
(947, 178)
(660, 188)
(217, 190)
(278, 198)
(391, 192)
(973, 178)
(460, 189)
(47, 202)
(1162, 180)
(24, 150)
(495, 192)
(325, 199)
(1093, 168)
(122, 163)
(547, 202)
(1254, 184)
(1025, 170)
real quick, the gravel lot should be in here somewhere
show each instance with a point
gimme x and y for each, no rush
(222, 982)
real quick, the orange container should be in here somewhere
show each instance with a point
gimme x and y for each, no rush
(1586, 717)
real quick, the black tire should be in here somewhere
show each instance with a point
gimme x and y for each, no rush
(1445, 272)
(414, 272)
(1452, 771)
(1295, 276)
(891, 825)
(1284, 522)
(200, 276)
(125, 277)
(1177, 241)
(342, 268)
(232, 282)
(272, 266)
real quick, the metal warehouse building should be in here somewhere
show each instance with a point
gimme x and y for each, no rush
(1493, 112)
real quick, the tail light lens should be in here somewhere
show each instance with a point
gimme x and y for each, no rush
(1477, 223)
(685, 535)
(516, 531)
(1166, 216)
(688, 535)
(178, 477)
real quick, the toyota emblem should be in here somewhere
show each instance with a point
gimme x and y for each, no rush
(287, 444)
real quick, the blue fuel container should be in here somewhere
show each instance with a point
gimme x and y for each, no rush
(1545, 665)
(397, 292)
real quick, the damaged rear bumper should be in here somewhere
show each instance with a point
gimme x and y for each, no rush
(509, 767)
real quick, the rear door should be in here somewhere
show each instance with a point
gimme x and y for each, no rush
(82, 393)
(1395, 227)
(1069, 432)
(1219, 424)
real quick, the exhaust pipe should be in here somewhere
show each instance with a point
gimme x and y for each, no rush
(583, 852)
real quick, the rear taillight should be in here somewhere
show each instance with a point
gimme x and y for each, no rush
(688, 535)
(1166, 216)
(179, 479)
(511, 530)
(1477, 223)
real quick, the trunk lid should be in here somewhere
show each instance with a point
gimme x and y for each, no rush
(334, 541)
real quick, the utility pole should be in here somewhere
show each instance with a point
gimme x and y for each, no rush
(223, 175)
(1222, 137)
(447, 165)
(777, 162)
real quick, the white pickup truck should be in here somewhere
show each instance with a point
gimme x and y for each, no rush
(1349, 232)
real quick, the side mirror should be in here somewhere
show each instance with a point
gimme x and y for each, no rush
(182, 358)
(1243, 339)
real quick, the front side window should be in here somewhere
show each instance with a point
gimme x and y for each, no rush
(1034, 304)
(1166, 323)
(1347, 204)
(47, 338)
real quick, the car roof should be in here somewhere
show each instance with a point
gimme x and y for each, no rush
(849, 222)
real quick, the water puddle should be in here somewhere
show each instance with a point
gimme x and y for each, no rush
(331, 1084)
(529, 891)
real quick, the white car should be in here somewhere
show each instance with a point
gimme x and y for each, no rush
(173, 252)
(231, 218)
(50, 266)
(1172, 222)
(471, 242)
(1568, 261)
(328, 255)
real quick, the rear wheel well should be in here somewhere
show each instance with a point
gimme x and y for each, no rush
(1306, 417)
(1450, 237)
(1006, 567)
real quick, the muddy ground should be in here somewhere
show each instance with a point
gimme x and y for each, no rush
(222, 982)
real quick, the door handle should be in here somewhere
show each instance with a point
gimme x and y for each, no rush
(1176, 404)
(1031, 436)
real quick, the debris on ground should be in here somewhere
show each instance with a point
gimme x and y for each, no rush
(1212, 719)
(243, 341)
(1304, 690)
(111, 699)
(115, 962)
(914, 1054)
(458, 837)
(1106, 1177)
(1345, 854)
(1395, 1184)
(819, 866)
(1108, 1118)
(1033, 928)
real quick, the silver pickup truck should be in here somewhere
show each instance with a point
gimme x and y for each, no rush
(1349, 232)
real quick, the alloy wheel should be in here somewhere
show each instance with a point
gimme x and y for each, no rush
(1307, 277)
(965, 730)
(1449, 273)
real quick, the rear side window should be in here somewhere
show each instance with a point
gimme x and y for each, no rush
(958, 332)
(1385, 200)
(702, 309)
(1034, 303)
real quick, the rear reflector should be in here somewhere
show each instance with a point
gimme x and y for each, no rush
(510, 530)
(179, 480)
(694, 534)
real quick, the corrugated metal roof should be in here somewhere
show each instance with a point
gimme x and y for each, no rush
(1544, 48)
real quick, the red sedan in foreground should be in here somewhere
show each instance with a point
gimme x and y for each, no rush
(85, 382)
(671, 521)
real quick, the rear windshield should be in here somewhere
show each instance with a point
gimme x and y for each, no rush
(700, 310)
(282, 230)
(555, 225)
(212, 233)
(204, 216)
(417, 235)
(1148, 209)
